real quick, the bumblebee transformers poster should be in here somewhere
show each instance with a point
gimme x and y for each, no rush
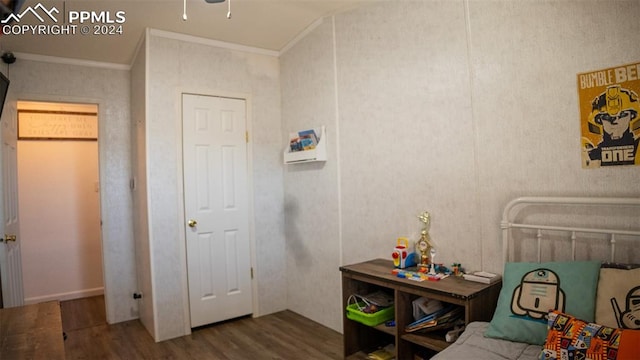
(610, 116)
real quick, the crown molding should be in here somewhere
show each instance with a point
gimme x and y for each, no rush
(211, 42)
(69, 61)
(301, 35)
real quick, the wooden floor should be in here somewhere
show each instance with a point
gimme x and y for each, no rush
(283, 335)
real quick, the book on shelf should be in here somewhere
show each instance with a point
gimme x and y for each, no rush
(303, 140)
(482, 277)
(423, 306)
(379, 298)
(440, 319)
(308, 138)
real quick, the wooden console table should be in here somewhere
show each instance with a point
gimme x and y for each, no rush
(478, 300)
(32, 332)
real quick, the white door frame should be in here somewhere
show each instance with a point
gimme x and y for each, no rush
(101, 172)
(180, 190)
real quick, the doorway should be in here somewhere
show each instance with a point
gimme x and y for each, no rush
(59, 201)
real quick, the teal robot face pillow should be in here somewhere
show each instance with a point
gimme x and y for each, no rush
(530, 290)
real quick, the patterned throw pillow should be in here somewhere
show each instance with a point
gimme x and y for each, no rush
(572, 338)
(618, 299)
(530, 290)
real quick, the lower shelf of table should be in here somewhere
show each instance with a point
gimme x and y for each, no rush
(409, 343)
(435, 341)
(360, 355)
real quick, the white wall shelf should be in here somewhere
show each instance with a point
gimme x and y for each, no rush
(311, 155)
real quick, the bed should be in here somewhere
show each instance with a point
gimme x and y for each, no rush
(570, 287)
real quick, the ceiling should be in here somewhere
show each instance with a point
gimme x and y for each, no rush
(265, 24)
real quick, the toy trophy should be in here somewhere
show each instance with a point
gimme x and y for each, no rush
(424, 245)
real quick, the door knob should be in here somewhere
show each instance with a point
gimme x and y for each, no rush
(192, 223)
(8, 238)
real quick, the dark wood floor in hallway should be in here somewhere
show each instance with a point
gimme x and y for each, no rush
(283, 335)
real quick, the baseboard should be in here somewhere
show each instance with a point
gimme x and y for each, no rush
(65, 296)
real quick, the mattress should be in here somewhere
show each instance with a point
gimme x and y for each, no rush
(473, 345)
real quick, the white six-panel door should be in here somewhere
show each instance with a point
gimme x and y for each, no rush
(216, 208)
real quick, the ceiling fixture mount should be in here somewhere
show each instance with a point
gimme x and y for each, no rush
(184, 8)
(221, 1)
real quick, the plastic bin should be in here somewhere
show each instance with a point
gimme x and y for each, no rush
(372, 319)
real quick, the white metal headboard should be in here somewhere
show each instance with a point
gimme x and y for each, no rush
(510, 211)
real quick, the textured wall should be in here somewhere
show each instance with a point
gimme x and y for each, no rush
(454, 107)
(312, 194)
(406, 129)
(176, 66)
(139, 194)
(525, 99)
(109, 88)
